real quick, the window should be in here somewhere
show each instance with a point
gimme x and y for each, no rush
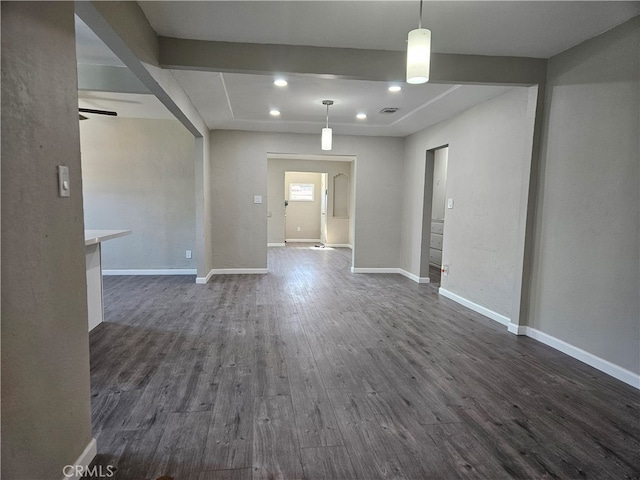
(301, 192)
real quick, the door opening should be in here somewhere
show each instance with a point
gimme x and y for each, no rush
(323, 208)
(305, 196)
(438, 209)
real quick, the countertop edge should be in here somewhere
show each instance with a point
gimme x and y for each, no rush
(91, 237)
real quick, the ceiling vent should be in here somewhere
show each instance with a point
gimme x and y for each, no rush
(388, 110)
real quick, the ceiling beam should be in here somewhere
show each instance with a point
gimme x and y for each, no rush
(126, 31)
(349, 63)
(128, 22)
(109, 78)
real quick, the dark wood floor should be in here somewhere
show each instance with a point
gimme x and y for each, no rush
(434, 275)
(313, 372)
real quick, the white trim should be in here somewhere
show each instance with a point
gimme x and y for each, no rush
(339, 245)
(601, 364)
(414, 277)
(475, 307)
(303, 240)
(399, 271)
(84, 460)
(590, 359)
(374, 270)
(517, 329)
(276, 244)
(300, 156)
(204, 280)
(238, 271)
(153, 271)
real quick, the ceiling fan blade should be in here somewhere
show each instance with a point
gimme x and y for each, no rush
(98, 112)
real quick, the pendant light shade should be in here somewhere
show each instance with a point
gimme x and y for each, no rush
(327, 133)
(326, 138)
(418, 55)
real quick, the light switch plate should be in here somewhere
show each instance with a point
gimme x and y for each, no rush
(257, 199)
(450, 203)
(63, 181)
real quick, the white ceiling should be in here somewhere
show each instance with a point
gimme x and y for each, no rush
(521, 28)
(241, 101)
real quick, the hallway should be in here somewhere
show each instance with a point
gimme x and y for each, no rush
(313, 372)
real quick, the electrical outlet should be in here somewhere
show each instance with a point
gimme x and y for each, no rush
(188, 254)
(445, 270)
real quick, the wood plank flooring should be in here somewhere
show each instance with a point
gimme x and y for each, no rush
(311, 372)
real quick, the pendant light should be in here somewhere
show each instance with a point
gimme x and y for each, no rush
(327, 132)
(418, 53)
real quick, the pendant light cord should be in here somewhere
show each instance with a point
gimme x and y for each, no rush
(420, 18)
(327, 115)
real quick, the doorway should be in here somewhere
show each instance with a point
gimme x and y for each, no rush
(305, 196)
(337, 225)
(438, 209)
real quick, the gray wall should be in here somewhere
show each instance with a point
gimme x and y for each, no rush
(239, 171)
(138, 174)
(46, 409)
(438, 199)
(585, 284)
(484, 175)
(303, 215)
(339, 230)
(123, 27)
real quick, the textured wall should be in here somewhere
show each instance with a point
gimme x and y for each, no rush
(484, 172)
(46, 409)
(138, 175)
(438, 199)
(586, 264)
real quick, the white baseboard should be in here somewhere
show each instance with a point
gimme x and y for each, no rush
(414, 277)
(517, 329)
(475, 307)
(84, 460)
(238, 271)
(399, 271)
(590, 359)
(374, 270)
(230, 271)
(302, 240)
(334, 245)
(204, 280)
(152, 271)
(601, 364)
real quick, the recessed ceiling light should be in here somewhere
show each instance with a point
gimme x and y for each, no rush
(274, 113)
(361, 116)
(395, 88)
(280, 82)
